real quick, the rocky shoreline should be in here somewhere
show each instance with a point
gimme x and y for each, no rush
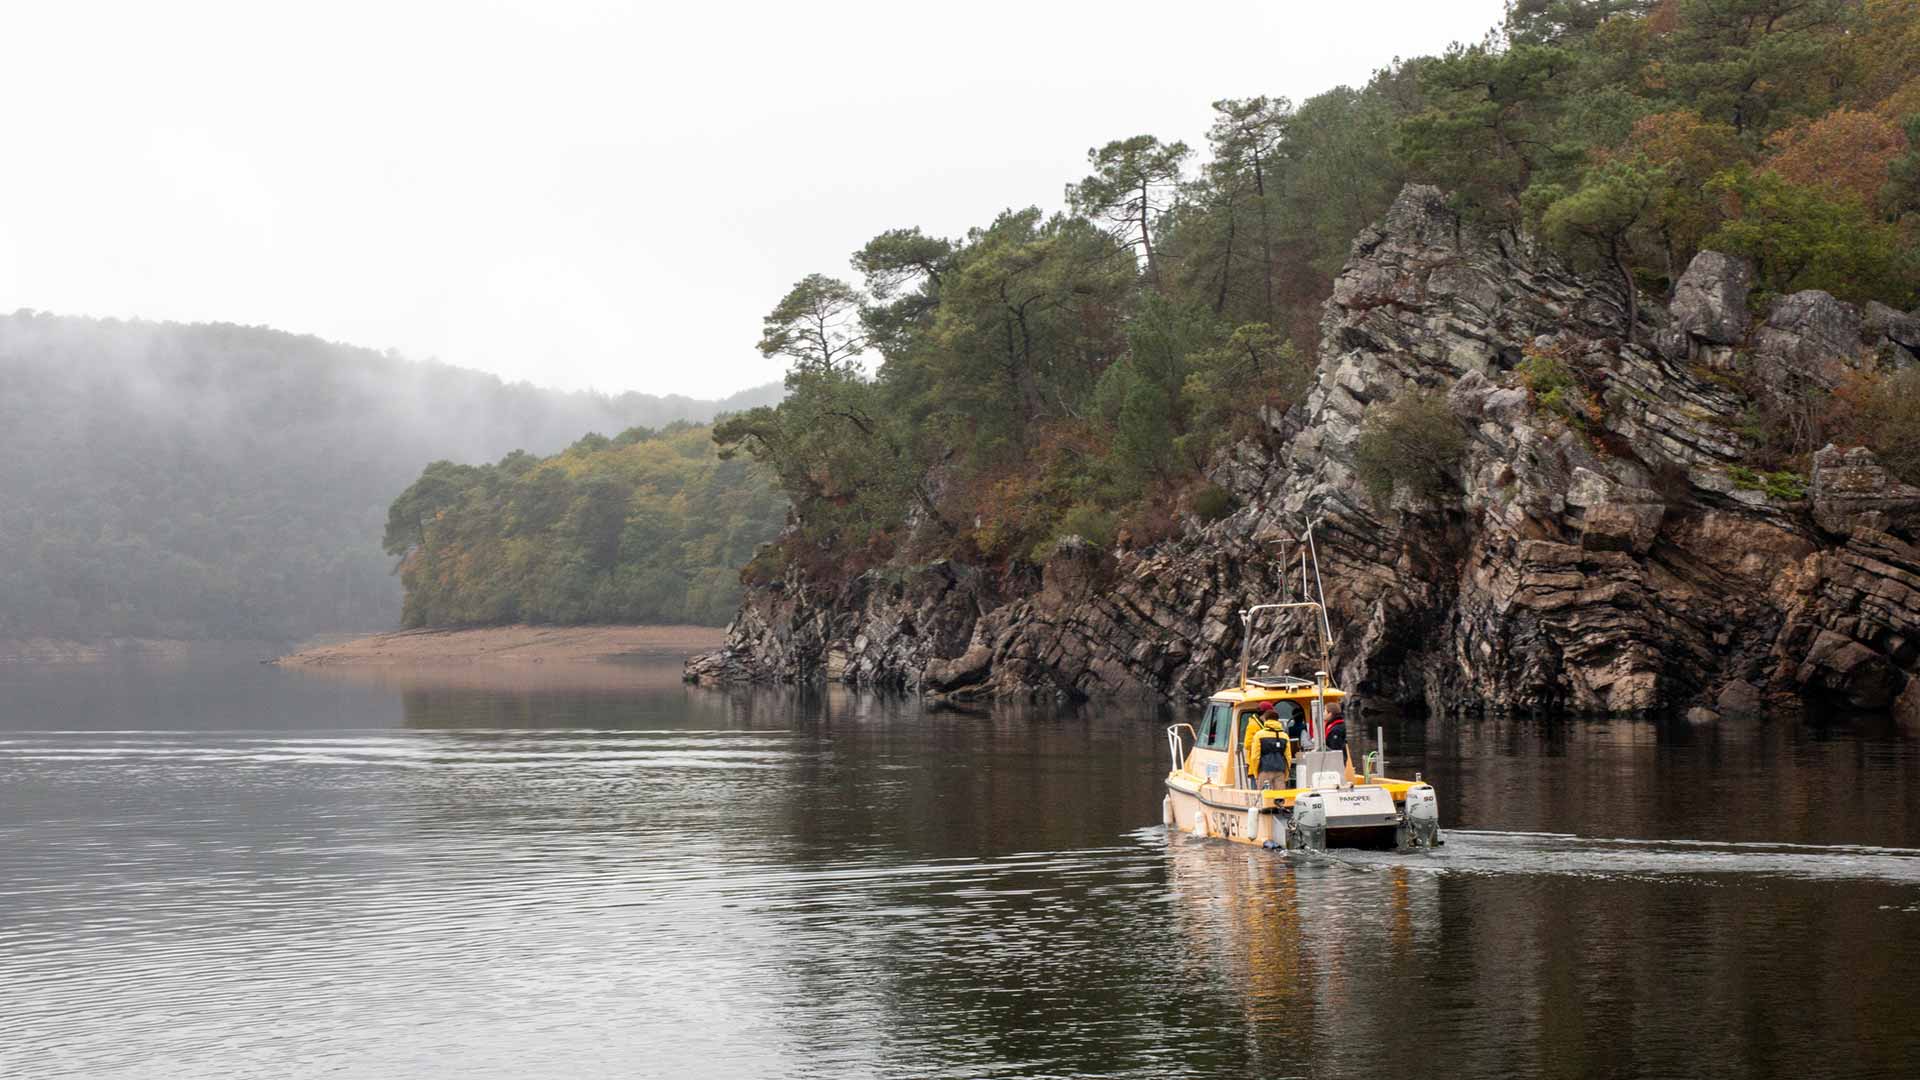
(1620, 562)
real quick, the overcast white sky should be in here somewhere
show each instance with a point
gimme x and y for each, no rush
(584, 193)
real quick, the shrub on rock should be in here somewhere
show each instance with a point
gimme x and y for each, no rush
(1412, 439)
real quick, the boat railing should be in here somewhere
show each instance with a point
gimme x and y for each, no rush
(1173, 744)
(1248, 616)
(1312, 597)
(1280, 682)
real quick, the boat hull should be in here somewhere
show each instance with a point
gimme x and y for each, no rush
(1252, 822)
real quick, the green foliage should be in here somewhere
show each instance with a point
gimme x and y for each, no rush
(1018, 510)
(1687, 150)
(1227, 384)
(644, 529)
(1094, 363)
(1225, 235)
(1212, 502)
(1143, 432)
(902, 268)
(1490, 124)
(1755, 64)
(1901, 193)
(1132, 184)
(1783, 485)
(816, 326)
(1413, 439)
(1799, 238)
(1551, 22)
(1030, 315)
(834, 448)
(1339, 172)
(1557, 389)
(1600, 215)
(1088, 522)
(1601, 122)
(439, 488)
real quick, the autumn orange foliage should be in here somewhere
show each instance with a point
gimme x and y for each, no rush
(1844, 153)
(1665, 17)
(1684, 142)
(1889, 49)
(1902, 103)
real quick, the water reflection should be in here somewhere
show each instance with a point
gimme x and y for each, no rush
(1729, 780)
(289, 876)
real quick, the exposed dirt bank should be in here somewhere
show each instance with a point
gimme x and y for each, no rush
(507, 645)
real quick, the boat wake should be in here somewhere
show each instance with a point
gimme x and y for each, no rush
(1487, 852)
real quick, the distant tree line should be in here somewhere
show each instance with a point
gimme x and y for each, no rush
(649, 527)
(1049, 374)
(220, 481)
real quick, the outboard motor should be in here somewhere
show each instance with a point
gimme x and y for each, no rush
(1423, 816)
(1310, 821)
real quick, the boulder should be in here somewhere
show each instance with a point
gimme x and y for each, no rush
(1824, 325)
(1851, 489)
(1882, 324)
(1468, 396)
(1710, 299)
(1847, 474)
(1809, 338)
(1738, 698)
(968, 669)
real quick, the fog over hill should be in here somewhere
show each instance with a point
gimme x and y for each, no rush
(212, 480)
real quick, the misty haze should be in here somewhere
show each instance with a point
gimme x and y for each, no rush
(586, 539)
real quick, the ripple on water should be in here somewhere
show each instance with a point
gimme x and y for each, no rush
(518, 902)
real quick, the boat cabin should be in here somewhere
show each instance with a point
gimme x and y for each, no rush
(1258, 737)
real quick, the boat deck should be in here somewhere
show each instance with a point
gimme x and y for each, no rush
(1240, 798)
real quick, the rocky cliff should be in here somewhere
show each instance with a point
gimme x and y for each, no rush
(1603, 550)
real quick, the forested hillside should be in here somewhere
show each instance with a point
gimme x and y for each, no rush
(1056, 374)
(646, 527)
(225, 481)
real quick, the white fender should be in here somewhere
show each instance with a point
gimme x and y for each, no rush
(1166, 811)
(1253, 822)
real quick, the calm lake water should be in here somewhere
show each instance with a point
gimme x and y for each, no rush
(225, 870)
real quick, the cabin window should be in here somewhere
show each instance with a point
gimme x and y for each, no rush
(1216, 727)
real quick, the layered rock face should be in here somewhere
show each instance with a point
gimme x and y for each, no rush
(1611, 557)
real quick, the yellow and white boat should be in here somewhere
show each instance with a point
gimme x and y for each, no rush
(1269, 764)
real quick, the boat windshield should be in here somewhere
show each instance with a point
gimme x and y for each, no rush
(1216, 727)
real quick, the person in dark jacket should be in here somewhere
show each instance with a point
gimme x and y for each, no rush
(1336, 728)
(1297, 726)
